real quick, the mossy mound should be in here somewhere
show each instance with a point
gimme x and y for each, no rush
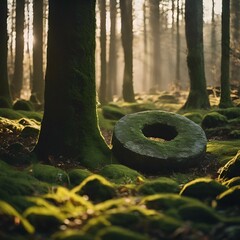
(194, 116)
(167, 98)
(118, 233)
(49, 174)
(10, 113)
(71, 235)
(230, 113)
(232, 182)
(231, 169)
(120, 174)
(229, 198)
(77, 175)
(112, 112)
(5, 103)
(32, 115)
(30, 131)
(96, 188)
(213, 120)
(203, 188)
(159, 185)
(22, 104)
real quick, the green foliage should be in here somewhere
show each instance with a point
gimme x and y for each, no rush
(213, 119)
(159, 185)
(120, 174)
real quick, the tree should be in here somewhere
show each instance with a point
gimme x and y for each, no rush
(17, 81)
(103, 81)
(37, 82)
(198, 97)
(4, 85)
(225, 98)
(127, 42)
(69, 126)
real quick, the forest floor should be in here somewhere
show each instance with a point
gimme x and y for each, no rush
(65, 201)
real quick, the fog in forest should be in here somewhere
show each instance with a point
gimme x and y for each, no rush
(170, 52)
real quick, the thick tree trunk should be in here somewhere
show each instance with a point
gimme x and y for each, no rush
(38, 83)
(16, 85)
(225, 99)
(70, 127)
(4, 86)
(127, 42)
(197, 97)
(103, 81)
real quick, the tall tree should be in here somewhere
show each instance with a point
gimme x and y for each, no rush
(103, 81)
(37, 81)
(69, 126)
(225, 98)
(154, 22)
(127, 42)
(4, 85)
(112, 66)
(17, 82)
(198, 97)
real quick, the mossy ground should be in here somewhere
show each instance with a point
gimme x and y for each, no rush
(66, 201)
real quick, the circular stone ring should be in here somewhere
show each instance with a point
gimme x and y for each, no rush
(153, 141)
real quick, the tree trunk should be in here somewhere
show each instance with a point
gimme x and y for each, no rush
(16, 85)
(225, 98)
(38, 83)
(197, 97)
(69, 127)
(103, 81)
(4, 86)
(127, 42)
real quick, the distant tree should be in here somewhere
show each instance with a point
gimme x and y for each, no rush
(154, 22)
(127, 42)
(69, 127)
(4, 85)
(198, 97)
(37, 81)
(112, 65)
(17, 82)
(225, 98)
(103, 81)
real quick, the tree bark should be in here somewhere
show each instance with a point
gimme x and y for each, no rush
(70, 127)
(198, 97)
(4, 85)
(225, 98)
(127, 42)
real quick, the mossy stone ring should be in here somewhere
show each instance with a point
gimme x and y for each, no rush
(154, 141)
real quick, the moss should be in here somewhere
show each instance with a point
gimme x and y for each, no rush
(49, 174)
(202, 188)
(194, 116)
(231, 168)
(229, 198)
(232, 182)
(30, 131)
(167, 98)
(71, 235)
(105, 123)
(97, 188)
(76, 176)
(32, 115)
(28, 122)
(230, 113)
(10, 113)
(120, 174)
(5, 103)
(213, 119)
(112, 112)
(119, 233)
(223, 150)
(22, 104)
(235, 134)
(229, 233)
(159, 185)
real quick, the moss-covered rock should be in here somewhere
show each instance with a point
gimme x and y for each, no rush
(10, 113)
(77, 175)
(30, 131)
(5, 103)
(112, 112)
(118, 233)
(120, 174)
(203, 188)
(154, 141)
(194, 116)
(230, 197)
(214, 119)
(22, 104)
(71, 235)
(97, 188)
(231, 169)
(32, 115)
(232, 182)
(49, 174)
(230, 113)
(159, 185)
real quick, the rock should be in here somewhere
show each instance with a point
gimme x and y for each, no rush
(230, 113)
(30, 131)
(22, 104)
(229, 198)
(112, 112)
(154, 141)
(76, 176)
(194, 116)
(213, 120)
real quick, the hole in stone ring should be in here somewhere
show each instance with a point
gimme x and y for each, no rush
(159, 132)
